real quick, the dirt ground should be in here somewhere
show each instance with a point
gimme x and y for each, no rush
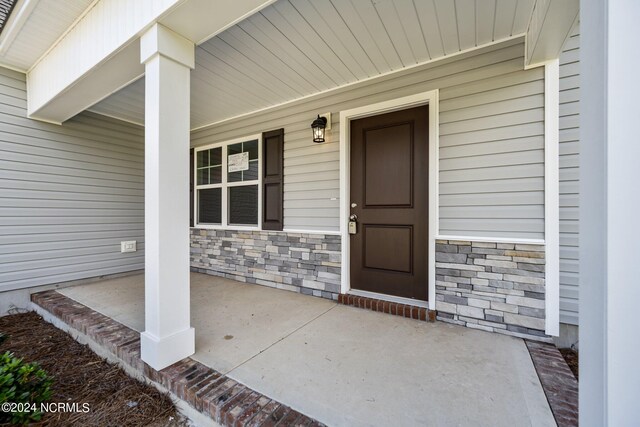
(571, 356)
(114, 398)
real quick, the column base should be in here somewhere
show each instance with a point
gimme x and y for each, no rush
(160, 353)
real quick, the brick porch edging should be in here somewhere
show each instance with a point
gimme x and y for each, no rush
(217, 396)
(558, 382)
(393, 308)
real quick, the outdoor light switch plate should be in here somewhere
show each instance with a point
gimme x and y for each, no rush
(128, 246)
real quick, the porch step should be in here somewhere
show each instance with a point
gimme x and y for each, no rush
(209, 392)
(393, 308)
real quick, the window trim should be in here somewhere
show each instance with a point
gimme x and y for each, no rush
(225, 185)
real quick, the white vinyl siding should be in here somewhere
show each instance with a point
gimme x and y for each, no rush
(491, 155)
(69, 194)
(569, 178)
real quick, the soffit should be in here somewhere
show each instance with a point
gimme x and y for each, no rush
(45, 22)
(297, 48)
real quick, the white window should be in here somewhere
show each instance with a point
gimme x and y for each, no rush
(228, 178)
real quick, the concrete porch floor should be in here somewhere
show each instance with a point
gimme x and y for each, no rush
(343, 365)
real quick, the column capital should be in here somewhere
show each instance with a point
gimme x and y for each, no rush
(159, 40)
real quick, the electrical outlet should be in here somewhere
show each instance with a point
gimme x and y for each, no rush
(128, 246)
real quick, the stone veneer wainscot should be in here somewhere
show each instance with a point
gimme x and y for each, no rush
(497, 287)
(301, 262)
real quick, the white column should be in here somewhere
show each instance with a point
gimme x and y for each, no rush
(168, 335)
(609, 207)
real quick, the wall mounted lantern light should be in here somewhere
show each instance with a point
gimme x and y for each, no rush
(319, 126)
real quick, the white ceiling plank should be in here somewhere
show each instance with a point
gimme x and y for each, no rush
(522, 16)
(341, 30)
(362, 34)
(446, 13)
(325, 31)
(296, 49)
(126, 104)
(217, 105)
(466, 15)
(369, 15)
(211, 93)
(46, 23)
(505, 15)
(298, 32)
(211, 84)
(131, 101)
(246, 68)
(243, 42)
(485, 18)
(430, 28)
(280, 43)
(213, 72)
(413, 29)
(396, 29)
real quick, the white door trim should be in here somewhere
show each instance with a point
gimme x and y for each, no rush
(430, 98)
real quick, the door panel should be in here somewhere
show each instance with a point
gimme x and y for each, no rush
(387, 167)
(389, 196)
(388, 247)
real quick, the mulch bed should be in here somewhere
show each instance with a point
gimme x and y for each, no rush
(114, 398)
(571, 357)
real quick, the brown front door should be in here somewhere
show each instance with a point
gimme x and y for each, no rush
(389, 196)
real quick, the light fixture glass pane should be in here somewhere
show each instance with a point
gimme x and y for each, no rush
(210, 206)
(243, 205)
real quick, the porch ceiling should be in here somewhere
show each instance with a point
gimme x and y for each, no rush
(297, 48)
(43, 22)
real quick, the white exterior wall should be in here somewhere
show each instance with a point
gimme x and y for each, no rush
(491, 144)
(69, 194)
(569, 178)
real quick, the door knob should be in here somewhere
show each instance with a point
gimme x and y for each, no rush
(353, 217)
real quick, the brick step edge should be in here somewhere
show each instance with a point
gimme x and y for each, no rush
(388, 307)
(558, 382)
(217, 396)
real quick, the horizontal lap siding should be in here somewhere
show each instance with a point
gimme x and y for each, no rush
(569, 178)
(68, 194)
(311, 171)
(491, 155)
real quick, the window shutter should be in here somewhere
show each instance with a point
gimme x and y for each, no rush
(191, 167)
(272, 179)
